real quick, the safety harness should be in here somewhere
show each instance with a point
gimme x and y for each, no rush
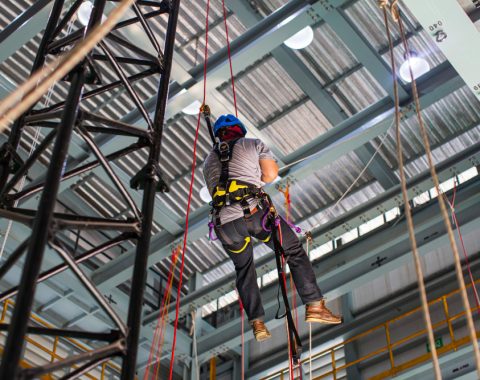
(229, 191)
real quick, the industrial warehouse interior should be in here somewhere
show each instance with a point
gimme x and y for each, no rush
(115, 257)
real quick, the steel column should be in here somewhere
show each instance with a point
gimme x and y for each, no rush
(151, 182)
(39, 237)
(15, 133)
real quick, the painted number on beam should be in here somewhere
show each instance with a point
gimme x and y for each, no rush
(454, 33)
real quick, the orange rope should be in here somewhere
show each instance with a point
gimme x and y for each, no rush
(408, 212)
(194, 162)
(443, 207)
(158, 333)
(288, 202)
(460, 237)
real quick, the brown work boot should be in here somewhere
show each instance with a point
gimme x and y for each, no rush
(318, 312)
(260, 331)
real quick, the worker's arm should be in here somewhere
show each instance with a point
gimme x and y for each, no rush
(269, 169)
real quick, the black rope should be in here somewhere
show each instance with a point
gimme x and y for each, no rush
(295, 341)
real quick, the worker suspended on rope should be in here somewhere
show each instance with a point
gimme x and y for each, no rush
(234, 172)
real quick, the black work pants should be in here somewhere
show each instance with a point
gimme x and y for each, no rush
(236, 237)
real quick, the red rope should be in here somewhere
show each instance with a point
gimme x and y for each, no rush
(192, 179)
(159, 325)
(229, 57)
(164, 319)
(242, 312)
(284, 278)
(459, 232)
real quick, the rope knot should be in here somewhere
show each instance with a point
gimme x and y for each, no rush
(393, 7)
(383, 3)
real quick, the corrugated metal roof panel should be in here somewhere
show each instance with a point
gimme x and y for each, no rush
(265, 7)
(368, 18)
(327, 57)
(357, 91)
(9, 10)
(449, 117)
(262, 90)
(297, 128)
(191, 32)
(445, 151)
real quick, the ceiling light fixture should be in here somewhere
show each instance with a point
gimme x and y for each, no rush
(301, 39)
(193, 108)
(84, 12)
(418, 64)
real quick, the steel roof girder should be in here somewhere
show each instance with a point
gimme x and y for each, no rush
(337, 227)
(26, 26)
(365, 125)
(449, 27)
(377, 167)
(373, 316)
(361, 49)
(346, 275)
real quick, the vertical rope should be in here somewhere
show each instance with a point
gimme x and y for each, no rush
(408, 212)
(309, 239)
(155, 347)
(441, 202)
(230, 58)
(460, 237)
(284, 279)
(242, 316)
(190, 192)
(195, 350)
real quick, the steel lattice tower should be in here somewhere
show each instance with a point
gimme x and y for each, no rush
(62, 120)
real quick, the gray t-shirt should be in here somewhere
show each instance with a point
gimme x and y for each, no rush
(243, 166)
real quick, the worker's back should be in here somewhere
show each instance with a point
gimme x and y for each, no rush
(244, 166)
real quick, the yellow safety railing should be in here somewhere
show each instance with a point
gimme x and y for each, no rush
(455, 343)
(52, 351)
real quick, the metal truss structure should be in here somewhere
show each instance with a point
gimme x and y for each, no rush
(63, 120)
(100, 148)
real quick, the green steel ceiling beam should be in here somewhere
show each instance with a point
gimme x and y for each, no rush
(376, 314)
(373, 62)
(453, 32)
(293, 66)
(361, 49)
(322, 99)
(340, 225)
(434, 86)
(360, 129)
(345, 270)
(377, 167)
(25, 26)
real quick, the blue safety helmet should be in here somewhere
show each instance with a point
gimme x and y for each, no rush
(227, 120)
